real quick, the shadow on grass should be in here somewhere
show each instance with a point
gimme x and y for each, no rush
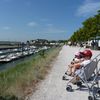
(8, 97)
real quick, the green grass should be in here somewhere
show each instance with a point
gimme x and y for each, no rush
(17, 82)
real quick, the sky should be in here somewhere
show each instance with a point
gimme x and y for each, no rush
(22, 20)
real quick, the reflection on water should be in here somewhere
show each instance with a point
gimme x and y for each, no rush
(20, 60)
(14, 63)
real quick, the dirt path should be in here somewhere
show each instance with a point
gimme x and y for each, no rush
(53, 87)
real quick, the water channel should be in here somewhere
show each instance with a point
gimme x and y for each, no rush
(11, 64)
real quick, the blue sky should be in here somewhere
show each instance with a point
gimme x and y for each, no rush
(22, 20)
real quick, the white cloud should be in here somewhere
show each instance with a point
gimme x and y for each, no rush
(89, 7)
(32, 24)
(6, 28)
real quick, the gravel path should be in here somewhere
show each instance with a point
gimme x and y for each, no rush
(53, 87)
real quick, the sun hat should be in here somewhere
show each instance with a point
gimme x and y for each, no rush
(78, 55)
(87, 53)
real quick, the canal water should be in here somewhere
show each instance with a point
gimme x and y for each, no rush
(11, 64)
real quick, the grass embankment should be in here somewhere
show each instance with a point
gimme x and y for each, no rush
(17, 82)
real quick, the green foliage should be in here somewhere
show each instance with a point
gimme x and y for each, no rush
(42, 53)
(8, 97)
(91, 28)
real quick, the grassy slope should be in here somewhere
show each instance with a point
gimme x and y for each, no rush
(20, 80)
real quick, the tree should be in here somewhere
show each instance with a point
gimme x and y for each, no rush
(90, 28)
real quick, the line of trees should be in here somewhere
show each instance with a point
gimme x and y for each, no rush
(90, 29)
